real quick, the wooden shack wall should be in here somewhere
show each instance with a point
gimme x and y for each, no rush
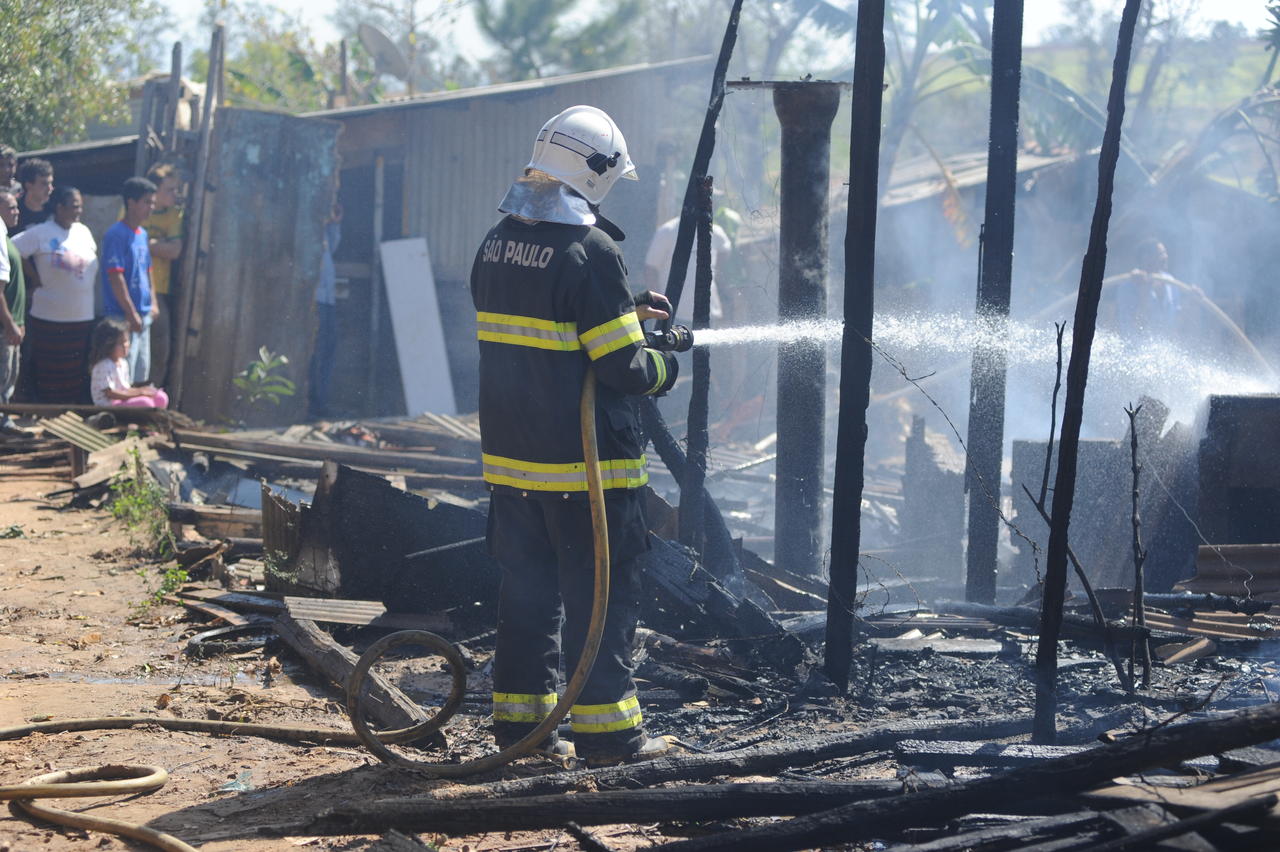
(270, 190)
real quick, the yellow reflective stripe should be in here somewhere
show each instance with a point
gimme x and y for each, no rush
(521, 707)
(528, 322)
(612, 335)
(659, 364)
(569, 476)
(603, 718)
(527, 331)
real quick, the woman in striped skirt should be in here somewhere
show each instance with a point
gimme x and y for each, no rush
(64, 257)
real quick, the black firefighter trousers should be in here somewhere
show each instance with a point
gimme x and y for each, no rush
(545, 549)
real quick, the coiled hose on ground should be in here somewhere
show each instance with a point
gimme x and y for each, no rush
(129, 779)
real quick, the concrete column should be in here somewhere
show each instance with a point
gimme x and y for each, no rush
(805, 111)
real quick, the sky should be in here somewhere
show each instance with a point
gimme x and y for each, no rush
(1040, 16)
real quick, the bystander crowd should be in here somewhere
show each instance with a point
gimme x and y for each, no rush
(62, 260)
(13, 311)
(164, 238)
(127, 292)
(9, 165)
(36, 177)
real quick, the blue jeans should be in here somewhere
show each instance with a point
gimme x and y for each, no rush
(322, 358)
(140, 352)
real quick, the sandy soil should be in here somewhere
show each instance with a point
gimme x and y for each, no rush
(73, 645)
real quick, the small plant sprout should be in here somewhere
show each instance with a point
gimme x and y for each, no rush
(261, 380)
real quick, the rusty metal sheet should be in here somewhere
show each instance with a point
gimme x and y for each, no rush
(271, 183)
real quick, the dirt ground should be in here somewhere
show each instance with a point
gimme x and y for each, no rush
(73, 645)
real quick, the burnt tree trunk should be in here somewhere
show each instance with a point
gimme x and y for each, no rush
(1086, 318)
(691, 484)
(855, 349)
(987, 384)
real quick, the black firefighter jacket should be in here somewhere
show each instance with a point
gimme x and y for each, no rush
(551, 301)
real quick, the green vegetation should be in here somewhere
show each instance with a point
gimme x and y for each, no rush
(142, 506)
(173, 579)
(262, 381)
(62, 62)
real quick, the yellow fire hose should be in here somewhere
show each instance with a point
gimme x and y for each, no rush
(114, 780)
(377, 743)
(130, 779)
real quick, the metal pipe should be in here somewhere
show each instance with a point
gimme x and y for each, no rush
(805, 111)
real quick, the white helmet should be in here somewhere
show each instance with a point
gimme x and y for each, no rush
(583, 148)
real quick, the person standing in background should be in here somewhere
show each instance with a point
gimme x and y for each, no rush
(164, 238)
(127, 292)
(36, 177)
(62, 261)
(13, 312)
(321, 370)
(8, 165)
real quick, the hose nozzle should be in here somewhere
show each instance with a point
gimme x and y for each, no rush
(677, 338)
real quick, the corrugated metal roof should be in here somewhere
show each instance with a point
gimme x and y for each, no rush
(81, 147)
(431, 98)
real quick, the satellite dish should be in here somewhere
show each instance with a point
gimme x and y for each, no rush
(387, 58)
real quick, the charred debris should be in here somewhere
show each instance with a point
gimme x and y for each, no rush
(1113, 690)
(317, 539)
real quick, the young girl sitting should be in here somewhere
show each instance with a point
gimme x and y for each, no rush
(109, 378)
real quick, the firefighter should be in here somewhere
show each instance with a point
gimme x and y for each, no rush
(552, 301)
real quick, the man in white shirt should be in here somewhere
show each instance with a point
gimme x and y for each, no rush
(657, 266)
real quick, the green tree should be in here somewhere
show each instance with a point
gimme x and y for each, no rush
(421, 31)
(63, 60)
(534, 40)
(1271, 36)
(271, 60)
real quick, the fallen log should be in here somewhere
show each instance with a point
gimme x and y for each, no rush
(1026, 831)
(1074, 627)
(385, 703)
(765, 759)
(1174, 603)
(703, 802)
(948, 754)
(859, 821)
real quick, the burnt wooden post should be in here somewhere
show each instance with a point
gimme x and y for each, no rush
(169, 133)
(724, 561)
(855, 350)
(692, 528)
(196, 244)
(701, 161)
(805, 111)
(1086, 319)
(987, 385)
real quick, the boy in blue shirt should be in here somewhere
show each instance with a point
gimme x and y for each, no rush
(127, 292)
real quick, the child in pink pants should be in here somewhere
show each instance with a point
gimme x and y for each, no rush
(109, 379)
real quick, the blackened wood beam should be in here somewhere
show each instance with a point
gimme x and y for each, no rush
(987, 382)
(855, 349)
(1083, 327)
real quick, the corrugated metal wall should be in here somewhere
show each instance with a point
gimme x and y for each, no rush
(461, 155)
